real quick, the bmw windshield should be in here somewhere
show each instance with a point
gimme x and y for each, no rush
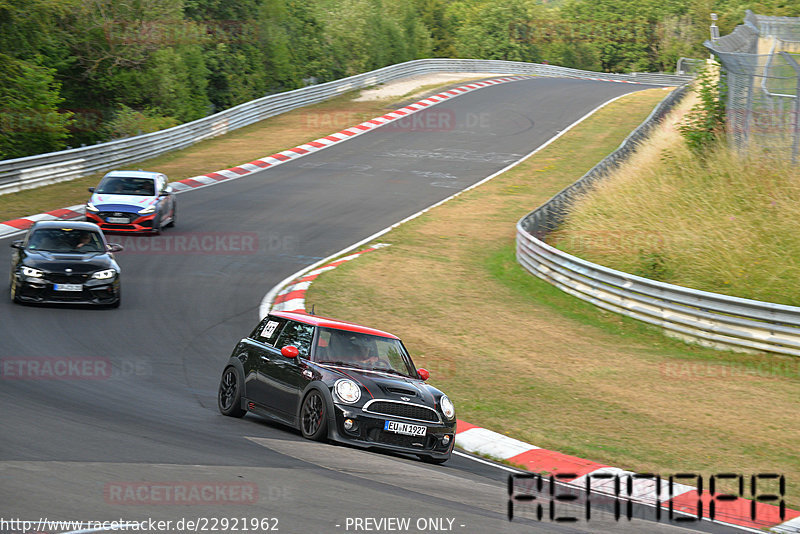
(65, 241)
(362, 351)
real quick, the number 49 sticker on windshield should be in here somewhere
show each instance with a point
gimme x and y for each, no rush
(269, 329)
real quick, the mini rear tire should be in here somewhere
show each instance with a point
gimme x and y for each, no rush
(229, 397)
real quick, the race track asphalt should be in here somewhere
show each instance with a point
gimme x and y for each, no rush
(71, 448)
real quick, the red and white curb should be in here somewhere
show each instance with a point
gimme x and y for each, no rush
(574, 471)
(292, 297)
(64, 214)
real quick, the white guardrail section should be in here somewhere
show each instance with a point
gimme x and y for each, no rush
(33, 171)
(712, 319)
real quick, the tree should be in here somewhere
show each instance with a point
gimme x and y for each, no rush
(30, 122)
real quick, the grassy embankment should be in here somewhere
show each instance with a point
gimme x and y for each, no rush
(723, 223)
(523, 358)
(240, 146)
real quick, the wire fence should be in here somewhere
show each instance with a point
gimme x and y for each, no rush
(760, 68)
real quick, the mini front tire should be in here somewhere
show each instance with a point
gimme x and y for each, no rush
(314, 417)
(229, 397)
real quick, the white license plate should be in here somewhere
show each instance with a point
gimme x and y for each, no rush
(117, 220)
(405, 428)
(69, 287)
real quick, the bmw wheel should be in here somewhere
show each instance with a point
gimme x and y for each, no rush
(12, 291)
(313, 417)
(229, 399)
(171, 222)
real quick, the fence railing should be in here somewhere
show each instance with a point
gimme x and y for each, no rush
(762, 81)
(33, 171)
(710, 318)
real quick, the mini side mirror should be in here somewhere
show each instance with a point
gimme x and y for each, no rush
(168, 189)
(91, 189)
(16, 244)
(423, 373)
(115, 247)
(290, 351)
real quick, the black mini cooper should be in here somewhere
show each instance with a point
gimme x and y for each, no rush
(338, 380)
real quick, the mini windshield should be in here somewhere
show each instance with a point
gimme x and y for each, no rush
(122, 185)
(362, 351)
(65, 240)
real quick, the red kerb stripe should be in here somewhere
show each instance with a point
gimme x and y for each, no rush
(538, 460)
(22, 224)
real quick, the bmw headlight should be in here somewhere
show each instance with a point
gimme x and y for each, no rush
(448, 409)
(31, 272)
(149, 209)
(91, 207)
(347, 390)
(104, 275)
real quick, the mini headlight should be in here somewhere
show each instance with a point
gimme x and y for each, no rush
(32, 273)
(347, 390)
(448, 409)
(149, 209)
(91, 207)
(104, 275)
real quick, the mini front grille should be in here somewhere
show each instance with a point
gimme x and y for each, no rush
(402, 409)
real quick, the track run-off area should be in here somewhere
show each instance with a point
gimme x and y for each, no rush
(134, 433)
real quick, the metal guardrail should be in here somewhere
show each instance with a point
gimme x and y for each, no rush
(712, 319)
(33, 171)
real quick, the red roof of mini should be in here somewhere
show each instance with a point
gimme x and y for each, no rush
(327, 322)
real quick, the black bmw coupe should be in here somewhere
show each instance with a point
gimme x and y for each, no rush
(60, 261)
(341, 381)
